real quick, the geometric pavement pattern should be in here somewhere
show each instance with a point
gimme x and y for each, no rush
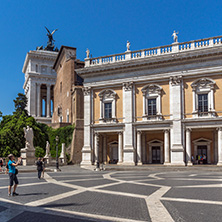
(83, 195)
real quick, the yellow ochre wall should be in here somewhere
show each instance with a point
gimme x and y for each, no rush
(165, 100)
(189, 97)
(119, 103)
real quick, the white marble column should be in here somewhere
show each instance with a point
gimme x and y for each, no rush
(139, 148)
(96, 147)
(128, 151)
(194, 100)
(87, 148)
(38, 88)
(219, 146)
(166, 147)
(120, 147)
(48, 101)
(104, 150)
(188, 146)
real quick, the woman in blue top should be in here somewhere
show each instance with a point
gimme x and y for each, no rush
(12, 175)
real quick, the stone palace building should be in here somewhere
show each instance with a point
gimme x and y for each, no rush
(159, 105)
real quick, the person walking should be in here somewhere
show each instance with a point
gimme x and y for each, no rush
(44, 165)
(39, 167)
(12, 174)
(1, 164)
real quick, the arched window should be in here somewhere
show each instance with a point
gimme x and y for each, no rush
(107, 106)
(203, 97)
(152, 102)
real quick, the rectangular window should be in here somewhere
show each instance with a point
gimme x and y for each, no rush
(108, 110)
(151, 107)
(203, 103)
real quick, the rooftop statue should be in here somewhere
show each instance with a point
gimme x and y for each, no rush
(175, 37)
(50, 46)
(128, 46)
(87, 53)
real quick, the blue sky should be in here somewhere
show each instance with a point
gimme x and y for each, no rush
(103, 26)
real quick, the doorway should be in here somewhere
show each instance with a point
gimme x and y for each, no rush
(155, 154)
(202, 153)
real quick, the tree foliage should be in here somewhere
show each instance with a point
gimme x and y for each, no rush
(12, 133)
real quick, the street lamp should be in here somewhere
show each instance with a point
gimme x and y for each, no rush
(57, 161)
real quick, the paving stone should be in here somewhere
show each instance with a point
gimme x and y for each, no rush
(91, 183)
(196, 193)
(132, 188)
(36, 192)
(28, 216)
(2, 208)
(184, 212)
(105, 204)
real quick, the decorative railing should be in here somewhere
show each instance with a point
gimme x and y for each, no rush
(157, 51)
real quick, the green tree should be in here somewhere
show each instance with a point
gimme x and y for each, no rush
(20, 104)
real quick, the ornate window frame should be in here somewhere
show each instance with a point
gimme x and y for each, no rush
(152, 91)
(107, 96)
(203, 86)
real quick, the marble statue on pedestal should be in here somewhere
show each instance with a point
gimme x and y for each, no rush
(48, 154)
(29, 138)
(28, 153)
(175, 36)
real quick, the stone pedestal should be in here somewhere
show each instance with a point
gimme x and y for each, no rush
(48, 159)
(62, 156)
(28, 157)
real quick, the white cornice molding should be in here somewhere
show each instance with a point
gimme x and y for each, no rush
(158, 77)
(167, 59)
(40, 54)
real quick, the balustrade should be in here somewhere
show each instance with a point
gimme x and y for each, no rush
(157, 51)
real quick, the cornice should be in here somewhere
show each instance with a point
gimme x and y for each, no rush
(40, 54)
(152, 62)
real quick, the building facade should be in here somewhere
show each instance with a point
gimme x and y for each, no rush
(40, 78)
(159, 105)
(68, 97)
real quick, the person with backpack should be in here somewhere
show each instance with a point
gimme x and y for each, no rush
(12, 171)
(39, 167)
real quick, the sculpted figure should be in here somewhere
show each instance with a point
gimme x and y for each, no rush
(128, 46)
(29, 138)
(87, 53)
(47, 150)
(175, 37)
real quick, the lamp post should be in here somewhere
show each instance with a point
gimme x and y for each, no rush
(57, 161)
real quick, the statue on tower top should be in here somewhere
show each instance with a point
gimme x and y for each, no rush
(50, 46)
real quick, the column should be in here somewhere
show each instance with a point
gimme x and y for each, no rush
(48, 101)
(104, 149)
(128, 151)
(120, 147)
(38, 99)
(166, 147)
(87, 150)
(96, 147)
(139, 148)
(194, 101)
(176, 132)
(219, 146)
(144, 104)
(101, 116)
(188, 146)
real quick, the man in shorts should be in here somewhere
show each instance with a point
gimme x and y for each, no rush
(12, 174)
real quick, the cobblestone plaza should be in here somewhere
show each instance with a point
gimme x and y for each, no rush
(148, 194)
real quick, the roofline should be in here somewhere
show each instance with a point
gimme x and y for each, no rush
(60, 51)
